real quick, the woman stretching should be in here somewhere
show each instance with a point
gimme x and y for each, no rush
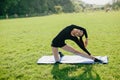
(74, 33)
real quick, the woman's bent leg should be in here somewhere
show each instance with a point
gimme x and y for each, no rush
(70, 49)
(55, 53)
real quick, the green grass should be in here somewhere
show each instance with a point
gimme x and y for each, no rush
(23, 41)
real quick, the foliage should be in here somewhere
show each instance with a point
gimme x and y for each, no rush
(30, 7)
(116, 5)
(58, 9)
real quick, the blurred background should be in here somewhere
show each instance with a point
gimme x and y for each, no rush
(29, 8)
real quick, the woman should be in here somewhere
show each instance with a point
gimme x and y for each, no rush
(74, 33)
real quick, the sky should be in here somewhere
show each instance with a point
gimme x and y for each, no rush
(98, 2)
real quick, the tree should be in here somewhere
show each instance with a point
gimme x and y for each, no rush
(34, 7)
(116, 5)
(58, 9)
(5, 6)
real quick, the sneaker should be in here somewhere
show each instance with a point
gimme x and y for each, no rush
(97, 60)
(60, 53)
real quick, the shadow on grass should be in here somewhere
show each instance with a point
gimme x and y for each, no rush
(74, 72)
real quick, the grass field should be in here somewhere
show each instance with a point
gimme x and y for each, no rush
(23, 41)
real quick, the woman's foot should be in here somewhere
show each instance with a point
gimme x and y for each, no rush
(57, 62)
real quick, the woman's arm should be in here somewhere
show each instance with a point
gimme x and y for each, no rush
(86, 42)
(80, 43)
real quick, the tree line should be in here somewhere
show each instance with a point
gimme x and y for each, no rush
(34, 7)
(25, 8)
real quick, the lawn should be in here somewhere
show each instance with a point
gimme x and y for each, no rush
(24, 40)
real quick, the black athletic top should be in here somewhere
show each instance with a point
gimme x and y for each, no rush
(59, 40)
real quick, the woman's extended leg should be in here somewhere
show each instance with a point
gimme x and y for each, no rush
(55, 53)
(70, 49)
